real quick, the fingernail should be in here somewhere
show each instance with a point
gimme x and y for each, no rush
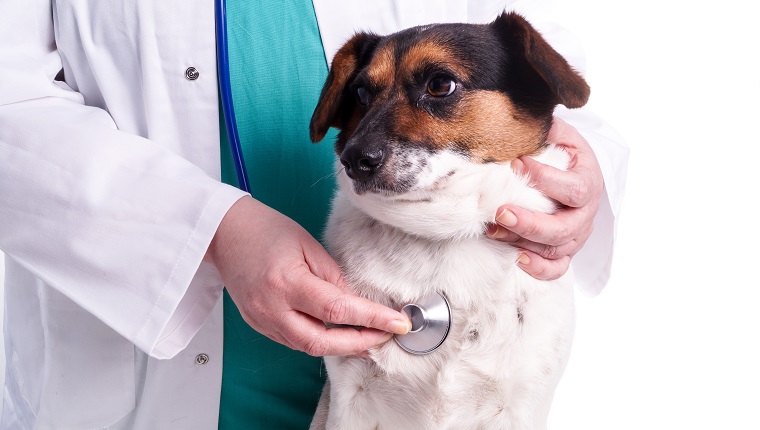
(400, 326)
(517, 165)
(523, 259)
(494, 232)
(506, 218)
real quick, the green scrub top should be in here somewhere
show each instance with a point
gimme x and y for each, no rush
(277, 68)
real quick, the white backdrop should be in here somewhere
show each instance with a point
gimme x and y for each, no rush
(2, 295)
(672, 343)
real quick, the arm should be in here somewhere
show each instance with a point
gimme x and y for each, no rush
(286, 285)
(120, 223)
(116, 222)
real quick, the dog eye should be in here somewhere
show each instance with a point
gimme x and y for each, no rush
(441, 87)
(362, 95)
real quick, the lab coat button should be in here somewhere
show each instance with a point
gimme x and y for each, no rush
(201, 359)
(192, 73)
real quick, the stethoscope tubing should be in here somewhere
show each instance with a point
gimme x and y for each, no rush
(225, 95)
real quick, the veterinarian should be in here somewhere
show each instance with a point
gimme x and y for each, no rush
(119, 234)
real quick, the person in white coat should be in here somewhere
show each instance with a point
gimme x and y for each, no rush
(119, 236)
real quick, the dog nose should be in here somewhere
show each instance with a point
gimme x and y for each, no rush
(361, 163)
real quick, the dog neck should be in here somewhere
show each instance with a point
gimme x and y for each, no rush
(463, 207)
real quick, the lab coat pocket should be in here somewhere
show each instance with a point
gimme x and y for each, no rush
(85, 376)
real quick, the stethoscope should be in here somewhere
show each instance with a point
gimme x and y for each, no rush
(430, 316)
(225, 95)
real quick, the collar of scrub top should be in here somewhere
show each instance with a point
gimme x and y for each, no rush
(225, 95)
(431, 316)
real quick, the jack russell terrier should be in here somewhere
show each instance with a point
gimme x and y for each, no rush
(429, 120)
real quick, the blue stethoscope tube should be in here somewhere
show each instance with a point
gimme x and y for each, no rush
(225, 95)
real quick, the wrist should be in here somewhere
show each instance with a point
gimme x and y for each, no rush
(229, 229)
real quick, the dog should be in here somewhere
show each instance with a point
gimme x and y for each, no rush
(429, 119)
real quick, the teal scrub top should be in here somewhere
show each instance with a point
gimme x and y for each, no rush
(277, 68)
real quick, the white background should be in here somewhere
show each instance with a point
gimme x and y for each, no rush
(673, 343)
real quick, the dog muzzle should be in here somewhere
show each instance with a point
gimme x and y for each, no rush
(431, 321)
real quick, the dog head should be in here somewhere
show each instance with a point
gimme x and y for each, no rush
(427, 104)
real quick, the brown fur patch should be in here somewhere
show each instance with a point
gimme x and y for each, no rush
(382, 69)
(431, 52)
(343, 66)
(492, 128)
(485, 124)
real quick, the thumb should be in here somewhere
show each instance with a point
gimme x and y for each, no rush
(322, 265)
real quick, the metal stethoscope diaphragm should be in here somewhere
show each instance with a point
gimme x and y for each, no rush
(431, 321)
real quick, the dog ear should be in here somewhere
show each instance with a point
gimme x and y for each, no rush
(539, 59)
(335, 104)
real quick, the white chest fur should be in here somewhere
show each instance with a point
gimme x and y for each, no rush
(510, 335)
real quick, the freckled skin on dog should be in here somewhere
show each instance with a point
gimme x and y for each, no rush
(429, 119)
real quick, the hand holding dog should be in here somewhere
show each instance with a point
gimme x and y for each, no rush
(550, 241)
(286, 285)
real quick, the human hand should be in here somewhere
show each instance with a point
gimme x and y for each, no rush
(549, 241)
(286, 285)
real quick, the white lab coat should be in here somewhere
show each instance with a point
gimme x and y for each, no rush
(110, 195)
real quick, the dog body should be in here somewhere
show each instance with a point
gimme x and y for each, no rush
(427, 132)
(510, 334)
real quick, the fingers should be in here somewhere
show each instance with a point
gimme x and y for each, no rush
(550, 252)
(314, 338)
(297, 318)
(580, 184)
(328, 303)
(541, 261)
(318, 302)
(321, 264)
(574, 188)
(544, 262)
(562, 133)
(556, 229)
(549, 241)
(548, 256)
(307, 302)
(325, 295)
(542, 268)
(286, 285)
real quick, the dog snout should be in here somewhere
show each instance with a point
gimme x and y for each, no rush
(362, 161)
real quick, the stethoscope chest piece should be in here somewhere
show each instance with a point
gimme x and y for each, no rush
(431, 321)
